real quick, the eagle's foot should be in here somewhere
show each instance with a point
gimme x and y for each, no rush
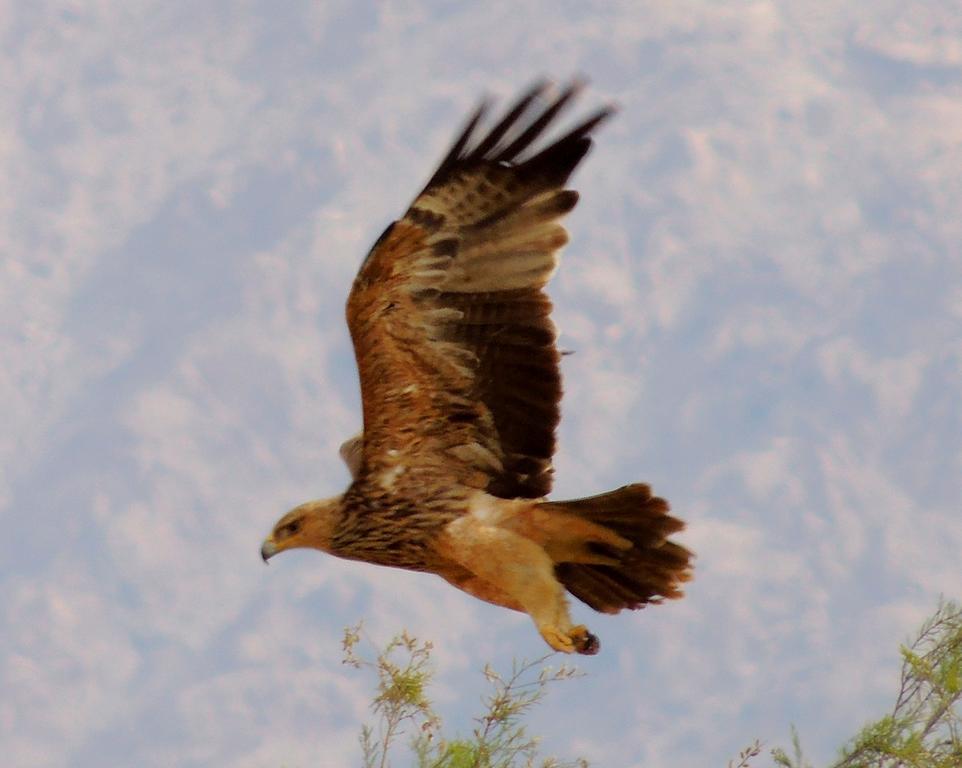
(576, 640)
(584, 642)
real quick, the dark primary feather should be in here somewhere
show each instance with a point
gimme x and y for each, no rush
(555, 163)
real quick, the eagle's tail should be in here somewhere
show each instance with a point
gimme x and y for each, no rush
(650, 570)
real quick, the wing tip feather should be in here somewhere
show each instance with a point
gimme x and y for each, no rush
(518, 131)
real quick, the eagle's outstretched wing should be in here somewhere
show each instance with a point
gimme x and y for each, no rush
(448, 314)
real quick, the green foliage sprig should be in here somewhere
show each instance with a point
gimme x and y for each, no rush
(402, 707)
(924, 728)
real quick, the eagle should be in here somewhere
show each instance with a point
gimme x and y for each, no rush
(460, 385)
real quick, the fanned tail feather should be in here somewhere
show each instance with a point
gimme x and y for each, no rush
(651, 570)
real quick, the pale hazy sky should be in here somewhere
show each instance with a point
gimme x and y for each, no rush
(763, 290)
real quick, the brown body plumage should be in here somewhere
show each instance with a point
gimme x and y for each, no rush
(461, 387)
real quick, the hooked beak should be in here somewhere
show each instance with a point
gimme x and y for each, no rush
(268, 550)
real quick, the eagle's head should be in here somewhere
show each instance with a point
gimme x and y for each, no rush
(309, 525)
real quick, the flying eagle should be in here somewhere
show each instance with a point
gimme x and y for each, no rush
(461, 387)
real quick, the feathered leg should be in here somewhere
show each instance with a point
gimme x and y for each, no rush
(520, 570)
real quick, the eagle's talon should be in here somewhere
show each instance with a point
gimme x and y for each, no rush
(591, 645)
(584, 642)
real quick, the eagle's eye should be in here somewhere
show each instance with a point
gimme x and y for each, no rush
(289, 529)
